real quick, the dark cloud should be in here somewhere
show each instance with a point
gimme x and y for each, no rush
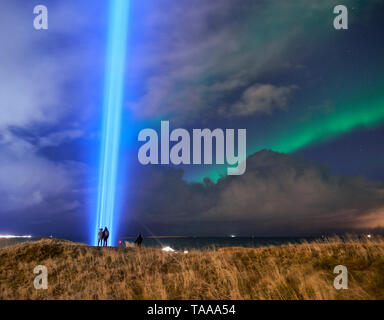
(42, 96)
(278, 195)
(40, 196)
(40, 69)
(28, 180)
(199, 59)
(260, 99)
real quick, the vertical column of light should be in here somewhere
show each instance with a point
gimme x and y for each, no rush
(112, 109)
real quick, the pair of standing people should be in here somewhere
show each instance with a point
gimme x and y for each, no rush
(102, 238)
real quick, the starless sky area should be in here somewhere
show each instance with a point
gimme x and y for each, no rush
(311, 98)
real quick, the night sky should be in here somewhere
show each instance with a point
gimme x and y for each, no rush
(311, 98)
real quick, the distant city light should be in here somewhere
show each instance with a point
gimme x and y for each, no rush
(168, 249)
(8, 236)
(233, 236)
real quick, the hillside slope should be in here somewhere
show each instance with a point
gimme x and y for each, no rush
(301, 271)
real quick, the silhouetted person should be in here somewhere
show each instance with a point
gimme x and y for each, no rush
(105, 237)
(139, 240)
(100, 237)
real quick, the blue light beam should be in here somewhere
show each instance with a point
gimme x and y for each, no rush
(112, 113)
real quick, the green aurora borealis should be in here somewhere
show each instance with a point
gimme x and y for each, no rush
(343, 91)
(287, 137)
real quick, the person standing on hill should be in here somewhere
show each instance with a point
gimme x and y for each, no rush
(100, 237)
(105, 237)
(139, 240)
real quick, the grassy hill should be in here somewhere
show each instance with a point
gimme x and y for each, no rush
(300, 271)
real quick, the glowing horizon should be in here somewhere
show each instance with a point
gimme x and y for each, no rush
(9, 236)
(112, 109)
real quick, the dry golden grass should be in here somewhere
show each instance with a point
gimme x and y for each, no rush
(300, 271)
